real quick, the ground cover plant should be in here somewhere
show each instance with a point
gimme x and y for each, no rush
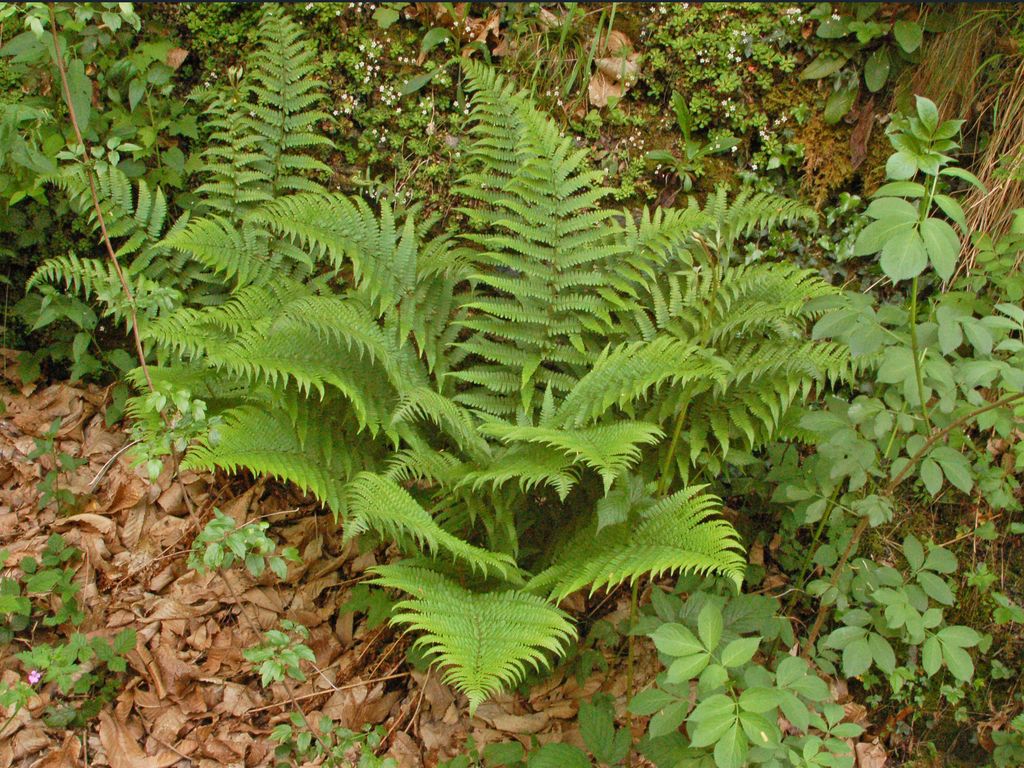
(709, 449)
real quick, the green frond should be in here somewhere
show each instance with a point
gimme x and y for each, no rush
(609, 449)
(269, 444)
(484, 641)
(677, 533)
(374, 501)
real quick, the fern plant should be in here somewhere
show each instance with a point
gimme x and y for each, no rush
(513, 405)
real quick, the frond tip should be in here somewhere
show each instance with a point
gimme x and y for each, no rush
(675, 534)
(484, 640)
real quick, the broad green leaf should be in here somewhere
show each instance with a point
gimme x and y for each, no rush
(709, 625)
(955, 467)
(433, 38)
(935, 587)
(856, 658)
(557, 755)
(904, 255)
(927, 113)
(687, 667)
(876, 69)
(908, 34)
(892, 208)
(913, 551)
(740, 651)
(960, 636)
(711, 719)
(942, 244)
(731, 750)
(931, 655)
(80, 88)
(876, 234)
(668, 720)
(839, 104)
(676, 640)
(931, 476)
(824, 65)
(959, 661)
(650, 701)
(760, 699)
(760, 731)
(882, 653)
(901, 165)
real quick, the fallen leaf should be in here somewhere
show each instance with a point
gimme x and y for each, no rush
(870, 755)
(123, 750)
(175, 57)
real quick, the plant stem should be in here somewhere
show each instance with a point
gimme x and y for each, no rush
(87, 161)
(917, 357)
(634, 600)
(666, 478)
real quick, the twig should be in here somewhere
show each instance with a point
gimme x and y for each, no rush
(346, 687)
(110, 462)
(87, 162)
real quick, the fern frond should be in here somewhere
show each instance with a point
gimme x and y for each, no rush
(484, 642)
(267, 443)
(674, 534)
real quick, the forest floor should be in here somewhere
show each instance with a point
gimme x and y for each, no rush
(188, 697)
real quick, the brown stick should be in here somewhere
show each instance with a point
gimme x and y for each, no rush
(87, 161)
(862, 526)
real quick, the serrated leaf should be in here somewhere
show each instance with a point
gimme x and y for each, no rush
(676, 640)
(739, 651)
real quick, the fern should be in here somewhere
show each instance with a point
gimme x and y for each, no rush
(674, 534)
(486, 641)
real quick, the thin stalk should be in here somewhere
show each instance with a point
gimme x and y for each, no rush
(916, 353)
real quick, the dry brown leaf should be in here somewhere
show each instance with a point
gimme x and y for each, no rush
(870, 755)
(175, 57)
(68, 756)
(123, 750)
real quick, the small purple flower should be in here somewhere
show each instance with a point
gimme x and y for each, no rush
(34, 676)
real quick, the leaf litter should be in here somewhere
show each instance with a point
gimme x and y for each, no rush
(188, 698)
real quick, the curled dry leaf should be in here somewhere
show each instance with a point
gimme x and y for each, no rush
(617, 69)
(175, 57)
(870, 755)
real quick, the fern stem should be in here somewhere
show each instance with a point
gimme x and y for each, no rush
(666, 479)
(915, 352)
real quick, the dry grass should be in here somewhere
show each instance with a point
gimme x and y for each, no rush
(976, 72)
